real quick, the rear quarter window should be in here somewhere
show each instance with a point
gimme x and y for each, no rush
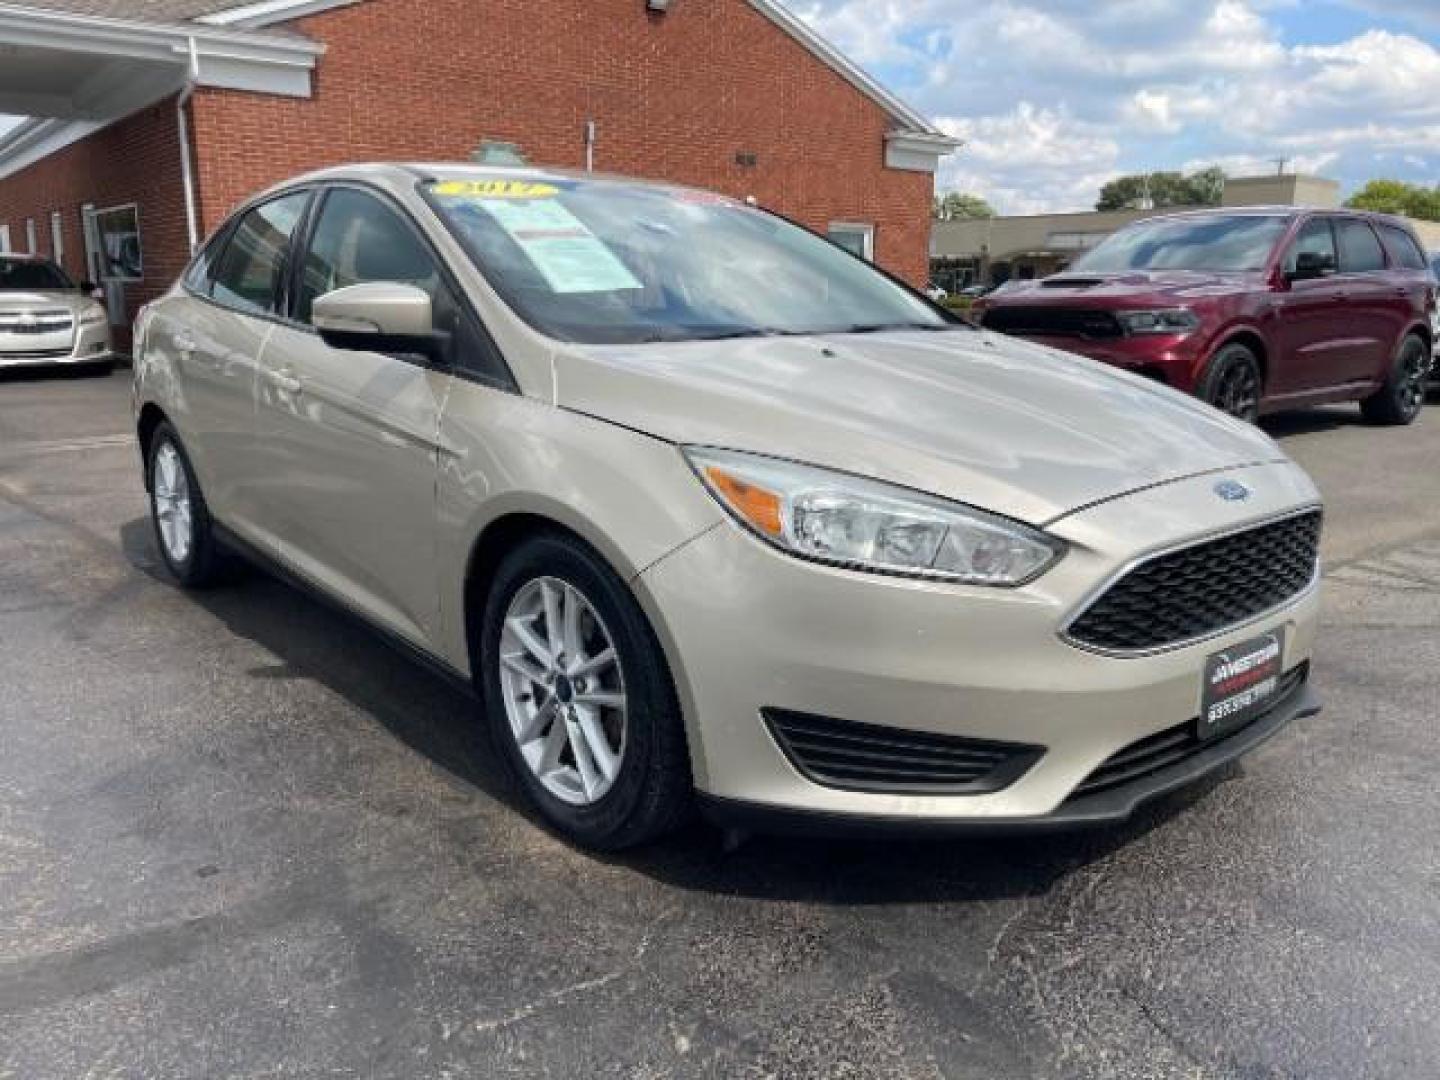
(1403, 249)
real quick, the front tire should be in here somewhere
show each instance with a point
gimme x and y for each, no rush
(1401, 399)
(1233, 383)
(183, 531)
(579, 698)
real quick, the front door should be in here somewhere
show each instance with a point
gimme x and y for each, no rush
(350, 438)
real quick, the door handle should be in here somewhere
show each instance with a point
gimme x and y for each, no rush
(284, 381)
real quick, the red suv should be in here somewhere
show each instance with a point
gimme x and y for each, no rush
(1253, 310)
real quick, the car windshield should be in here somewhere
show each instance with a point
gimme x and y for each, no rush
(1215, 242)
(600, 262)
(18, 275)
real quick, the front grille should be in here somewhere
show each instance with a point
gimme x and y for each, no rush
(40, 322)
(865, 757)
(1171, 746)
(1201, 590)
(1052, 321)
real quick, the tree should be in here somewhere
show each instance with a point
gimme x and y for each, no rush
(1398, 197)
(1201, 188)
(957, 205)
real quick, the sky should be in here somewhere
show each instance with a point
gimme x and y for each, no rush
(1054, 97)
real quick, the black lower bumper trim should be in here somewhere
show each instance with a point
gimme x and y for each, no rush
(1108, 807)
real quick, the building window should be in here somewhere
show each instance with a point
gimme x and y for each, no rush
(117, 231)
(854, 238)
(31, 245)
(5, 238)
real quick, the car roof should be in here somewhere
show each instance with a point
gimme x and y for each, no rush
(1279, 211)
(405, 174)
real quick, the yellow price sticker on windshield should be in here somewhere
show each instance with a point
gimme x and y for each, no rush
(497, 189)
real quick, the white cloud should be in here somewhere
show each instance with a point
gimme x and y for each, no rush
(1058, 94)
(1026, 160)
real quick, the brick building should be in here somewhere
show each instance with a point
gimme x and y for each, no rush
(150, 119)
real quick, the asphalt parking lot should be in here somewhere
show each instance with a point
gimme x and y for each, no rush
(239, 836)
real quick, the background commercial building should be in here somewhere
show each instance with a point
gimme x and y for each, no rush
(153, 118)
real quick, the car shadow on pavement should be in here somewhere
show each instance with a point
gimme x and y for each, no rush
(52, 374)
(312, 640)
(1306, 421)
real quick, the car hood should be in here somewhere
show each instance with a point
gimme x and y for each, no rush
(1140, 286)
(31, 300)
(998, 423)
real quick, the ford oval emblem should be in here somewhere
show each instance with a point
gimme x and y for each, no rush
(1232, 491)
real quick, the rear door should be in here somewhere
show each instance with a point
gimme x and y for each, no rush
(350, 438)
(1372, 317)
(215, 333)
(1411, 286)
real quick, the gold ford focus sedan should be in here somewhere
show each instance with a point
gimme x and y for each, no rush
(712, 513)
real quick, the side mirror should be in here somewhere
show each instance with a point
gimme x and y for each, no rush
(1312, 264)
(379, 316)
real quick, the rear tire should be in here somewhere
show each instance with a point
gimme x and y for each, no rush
(183, 530)
(598, 745)
(1233, 383)
(1401, 399)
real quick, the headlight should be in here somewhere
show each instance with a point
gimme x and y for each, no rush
(863, 524)
(1168, 321)
(92, 315)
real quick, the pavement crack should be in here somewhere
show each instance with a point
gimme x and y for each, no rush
(530, 1008)
(1173, 1040)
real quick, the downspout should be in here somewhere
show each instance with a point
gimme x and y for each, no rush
(187, 164)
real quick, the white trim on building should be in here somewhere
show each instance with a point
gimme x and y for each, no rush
(132, 64)
(270, 12)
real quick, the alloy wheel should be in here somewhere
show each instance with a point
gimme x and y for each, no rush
(1239, 391)
(173, 511)
(1414, 372)
(563, 690)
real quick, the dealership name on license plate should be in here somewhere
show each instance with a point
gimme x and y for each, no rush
(1239, 682)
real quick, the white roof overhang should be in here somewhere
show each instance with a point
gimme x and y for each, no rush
(73, 73)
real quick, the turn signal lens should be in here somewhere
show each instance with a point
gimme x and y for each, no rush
(760, 508)
(863, 524)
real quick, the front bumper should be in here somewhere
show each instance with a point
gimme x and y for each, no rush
(1112, 806)
(748, 628)
(82, 345)
(1171, 357)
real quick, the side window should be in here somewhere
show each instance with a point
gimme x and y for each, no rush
(1360, 251)
(1402, 248)
(358, 239)
(197, 277)
(1316, 239)
(248, 270)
